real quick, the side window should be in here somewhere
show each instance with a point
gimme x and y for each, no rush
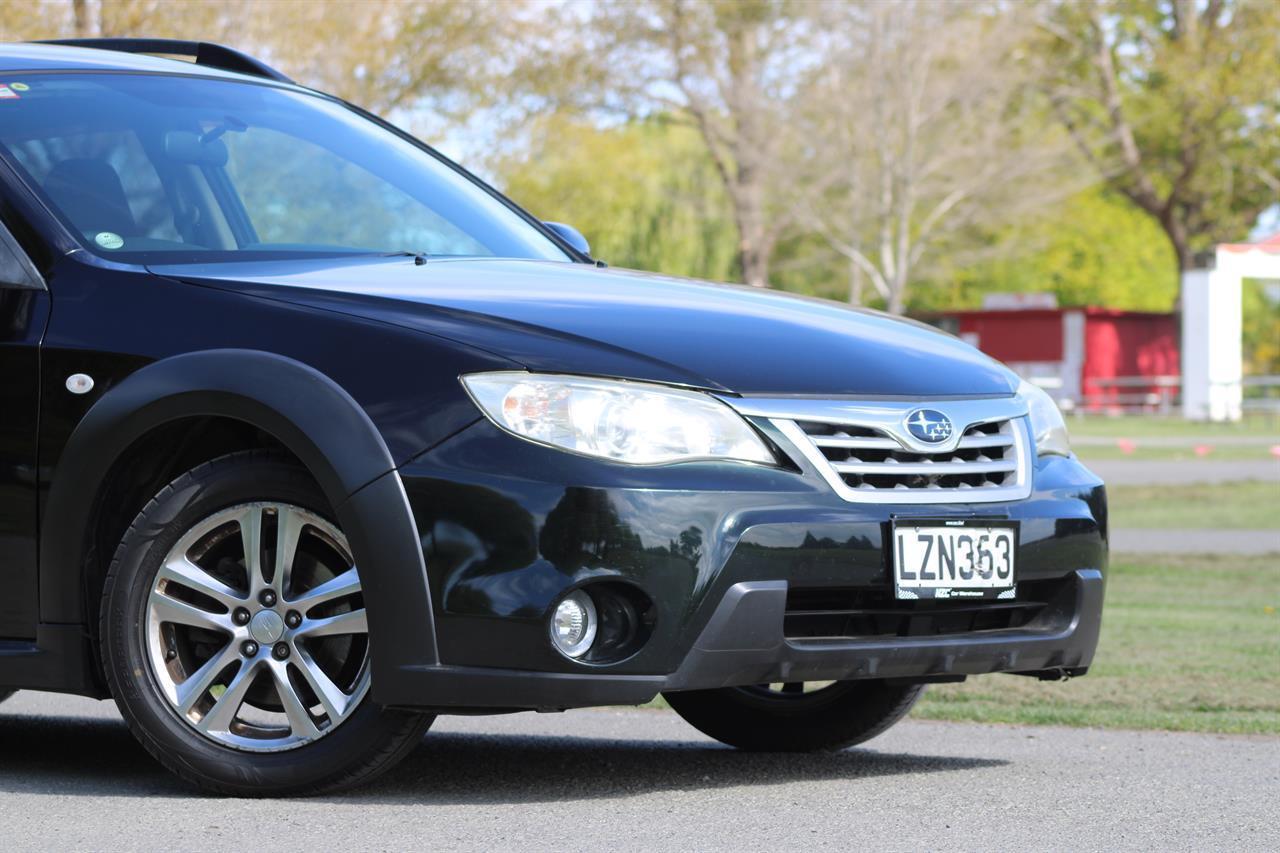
(289, 188)
(102, 182)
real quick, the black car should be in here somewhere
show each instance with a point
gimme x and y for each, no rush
(308, 435)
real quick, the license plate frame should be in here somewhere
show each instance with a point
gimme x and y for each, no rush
(907, 583)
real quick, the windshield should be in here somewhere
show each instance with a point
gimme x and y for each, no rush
(155, 169)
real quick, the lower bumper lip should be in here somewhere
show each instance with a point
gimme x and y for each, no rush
(743, 644)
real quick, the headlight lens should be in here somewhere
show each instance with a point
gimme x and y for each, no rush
(1046, 421)
(629, 422)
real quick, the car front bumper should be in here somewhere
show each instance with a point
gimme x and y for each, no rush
(507, 528)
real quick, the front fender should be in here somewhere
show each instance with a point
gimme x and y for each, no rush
(312, 416)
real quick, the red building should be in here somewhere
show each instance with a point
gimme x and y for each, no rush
(1091, 357)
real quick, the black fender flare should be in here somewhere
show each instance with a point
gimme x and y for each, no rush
(312, 416)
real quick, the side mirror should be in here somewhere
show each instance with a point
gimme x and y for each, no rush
(571, 235)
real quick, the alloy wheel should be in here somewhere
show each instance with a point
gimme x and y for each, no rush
(256, 630)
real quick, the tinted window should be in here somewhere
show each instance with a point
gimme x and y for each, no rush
(57, 162)
(155, 169)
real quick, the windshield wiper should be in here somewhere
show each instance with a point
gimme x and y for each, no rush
(419, 258)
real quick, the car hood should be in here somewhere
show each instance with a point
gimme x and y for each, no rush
(576, 318)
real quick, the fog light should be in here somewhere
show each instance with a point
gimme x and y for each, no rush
(573, 625)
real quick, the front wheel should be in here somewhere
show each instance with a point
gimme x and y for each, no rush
(796, 716)
(235, 639)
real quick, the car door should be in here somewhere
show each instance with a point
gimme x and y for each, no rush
(24, 311)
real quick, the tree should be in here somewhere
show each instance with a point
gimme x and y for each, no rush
(735, 68)
(1177, 104)
(450, 57)
(1261, 328)
(1094, 248)
(924, 124)
(662, 207)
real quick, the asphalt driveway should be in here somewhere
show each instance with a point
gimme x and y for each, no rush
(72, 777)
(1144, 472)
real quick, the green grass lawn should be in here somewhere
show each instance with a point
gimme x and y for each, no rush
(1190, 643)
(1252, 504)
(1136, 427)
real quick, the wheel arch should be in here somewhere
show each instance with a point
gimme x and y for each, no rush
(307, 414)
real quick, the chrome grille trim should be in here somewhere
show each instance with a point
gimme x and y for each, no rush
(928, 467)
(877, 429)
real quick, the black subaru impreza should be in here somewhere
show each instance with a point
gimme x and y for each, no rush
(308, 436)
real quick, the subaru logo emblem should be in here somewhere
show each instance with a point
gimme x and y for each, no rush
(929, 425)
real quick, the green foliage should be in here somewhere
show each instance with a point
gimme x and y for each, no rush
(1095, 249)
(1261, 328)
(1177, 104)
(644, 194)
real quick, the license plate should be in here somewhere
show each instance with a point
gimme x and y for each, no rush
(954, 558)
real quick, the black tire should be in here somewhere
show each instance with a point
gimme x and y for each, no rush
(760, 719)
(368, 742)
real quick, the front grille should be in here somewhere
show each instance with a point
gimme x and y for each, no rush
(867, 452)
(814, 613)
(868, 459)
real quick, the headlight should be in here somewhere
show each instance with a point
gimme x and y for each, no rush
(628, 422)
(1046, 421)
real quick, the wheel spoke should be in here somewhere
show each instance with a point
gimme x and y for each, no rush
(300, 722)
(793, 687)
(190, 691)
(347, 583)
(251, 537)
(289, 526)
(344, 623)
(167, 609)
(186, 573)
(223, 712)
(331, 697)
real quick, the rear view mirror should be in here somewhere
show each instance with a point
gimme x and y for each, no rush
(183, 146)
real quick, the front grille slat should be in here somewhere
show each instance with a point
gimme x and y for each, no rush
(860, 442)
(971, 442)
(928, 467)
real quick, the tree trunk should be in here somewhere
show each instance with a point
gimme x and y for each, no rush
(755, 263)
(1176, 231)
(80, 17)
(855, 283)
(747, 197)
(754, 246)
(748, 192)
(897, 302)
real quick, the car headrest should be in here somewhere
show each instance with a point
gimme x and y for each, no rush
(90, 194)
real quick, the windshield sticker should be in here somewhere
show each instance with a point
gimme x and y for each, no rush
(7, 94)
(19, 87)
(109, 240)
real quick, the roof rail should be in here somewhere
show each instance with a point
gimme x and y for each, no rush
(205, 53)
